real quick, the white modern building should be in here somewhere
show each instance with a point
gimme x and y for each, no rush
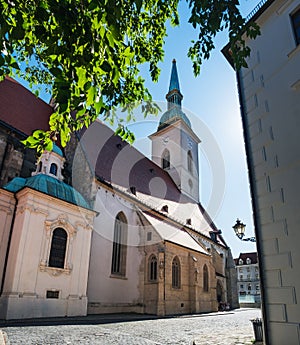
(248, 280)
(269, 91)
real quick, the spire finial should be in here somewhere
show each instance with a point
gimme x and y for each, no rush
(174, 81)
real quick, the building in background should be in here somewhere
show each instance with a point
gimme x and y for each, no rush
(248, 281)
(100, 228)
(269, 91)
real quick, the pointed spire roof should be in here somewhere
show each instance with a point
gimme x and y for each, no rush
(174, 81)
(174, 98)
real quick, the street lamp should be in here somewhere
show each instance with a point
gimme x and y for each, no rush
(239, 229)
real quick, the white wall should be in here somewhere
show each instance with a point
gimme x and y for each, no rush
(28, 276)
(106, 292)
(272, 125)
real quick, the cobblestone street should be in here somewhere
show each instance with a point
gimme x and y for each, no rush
(222, 328)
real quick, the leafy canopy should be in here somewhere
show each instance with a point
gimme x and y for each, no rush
(88, 53)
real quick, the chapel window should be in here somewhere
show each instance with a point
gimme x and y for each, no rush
(53, 169)
(58, 248)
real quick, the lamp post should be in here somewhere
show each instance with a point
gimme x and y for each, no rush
(239, 229)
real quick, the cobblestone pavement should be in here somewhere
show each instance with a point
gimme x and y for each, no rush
(222, 328)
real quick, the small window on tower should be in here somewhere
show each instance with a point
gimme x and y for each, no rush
(190, 161)
(53, 169)
(165, 160)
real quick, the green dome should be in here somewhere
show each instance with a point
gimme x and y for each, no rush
(172, 115)
(48, 185)
(57, 150)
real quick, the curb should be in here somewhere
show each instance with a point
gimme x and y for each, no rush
(2, 341)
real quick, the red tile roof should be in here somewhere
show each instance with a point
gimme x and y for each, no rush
(21, 109)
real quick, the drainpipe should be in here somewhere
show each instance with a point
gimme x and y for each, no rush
(254, 207)
(8, 245)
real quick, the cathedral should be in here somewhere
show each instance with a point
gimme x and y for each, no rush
(97, 227)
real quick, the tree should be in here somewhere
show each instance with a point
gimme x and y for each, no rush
(88, 53)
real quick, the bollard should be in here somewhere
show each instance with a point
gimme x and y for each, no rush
(258, 330)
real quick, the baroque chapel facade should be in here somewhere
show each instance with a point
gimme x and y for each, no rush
(100, 228)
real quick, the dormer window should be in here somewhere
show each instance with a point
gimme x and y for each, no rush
(189, 221)
(241, 262)
(165, 208)
(53, 169)
(133, 190)
(248, 261)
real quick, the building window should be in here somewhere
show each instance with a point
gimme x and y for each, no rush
(241, 262)
(249, 287)
(205, 278)
(248, 269)
(176, 273)
(248, 261)
(58, 248)
(119, 252)
(241, 277)
(152, 268)
(149, 236)
(241, 286)
(53, 169)
(190, 161)
(240, 269)
(165, 160)
(296, 25)
(52, 294)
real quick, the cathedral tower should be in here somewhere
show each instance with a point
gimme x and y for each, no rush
(175, 145)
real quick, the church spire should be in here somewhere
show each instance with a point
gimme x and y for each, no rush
(174, 81)
(174, 97)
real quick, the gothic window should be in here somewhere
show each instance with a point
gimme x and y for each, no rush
(205, 278)
(119, 251)
(58, 248)
(176, 273)
(165, 159)
(190, 161)
(296, 25)
(152, 268)
(53, 169)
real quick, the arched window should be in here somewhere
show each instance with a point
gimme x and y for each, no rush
(165, 159)
(119, 251)
(190, 161)
(53, 169)
(205, 278)
(176, 273)
(58, 248)
(152, 267)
